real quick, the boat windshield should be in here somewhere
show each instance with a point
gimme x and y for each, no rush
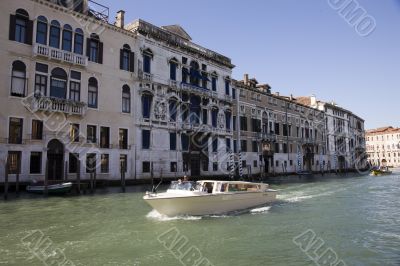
(185, 185)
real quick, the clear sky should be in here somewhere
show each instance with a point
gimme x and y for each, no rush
(298, 47)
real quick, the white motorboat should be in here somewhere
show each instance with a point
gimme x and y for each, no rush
(210, 197)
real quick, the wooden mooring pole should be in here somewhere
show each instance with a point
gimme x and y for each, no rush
(123, 176)
(78, 177)
(46, 179)
(6, 181)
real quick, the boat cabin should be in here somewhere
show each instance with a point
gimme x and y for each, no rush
(215, 187)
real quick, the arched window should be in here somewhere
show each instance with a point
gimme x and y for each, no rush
(127, 59)
(78, 41)
(194, 73)
(126, 99)
(95, 49)
(214, 117)
(195, 109)
(67, 38)
(21, 27)
(228, 116)
(58, 83)
(146, 105)
(18, 79)
(41, 30)
(93, 93)
(55, 34)
(147, 56)
(173, 65)
(173, 110)
(214, 79)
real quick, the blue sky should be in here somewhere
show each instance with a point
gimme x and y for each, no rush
(298, 47)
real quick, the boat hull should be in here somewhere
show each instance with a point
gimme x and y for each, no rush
(58, 189)
(207, 204)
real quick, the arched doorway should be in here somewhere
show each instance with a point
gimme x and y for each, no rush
(55, 157)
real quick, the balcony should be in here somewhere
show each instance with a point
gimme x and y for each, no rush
(267, 137)
(307, 141)
(59, 55)
(196, 89)
(43, 103)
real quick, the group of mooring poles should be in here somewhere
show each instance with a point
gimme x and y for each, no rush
(7, 180)
(92, 179)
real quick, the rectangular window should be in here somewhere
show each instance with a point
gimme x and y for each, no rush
(73, 162)
(185, 142)
(90, 163)
(147, 64)
(92, 96)
(214, 83)
(227, 88)
(15, 130)
(105, 163)
(277, 128)
(146, 167)
(215, 166)
(255, 163)
(204, 163)
(277, 148)
(75, 91)
(145, 139)
(243, 145)
(91, 133)
(173, 167)
(172, 141)
(37, 129)
(234, 145)
(172, 72)
(93, 51)
(205, 116)
(228, 145)
(123, 162)
(233, 93)
(18, 82)
(215, 145)
(40, 85)
(14, 162)
(234, 122)
(104, 137)
(78, 43)
(123, 139)
(254, 145)
(243, 123)
(74, 132)
(36, 163)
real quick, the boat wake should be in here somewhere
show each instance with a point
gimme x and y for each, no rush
(299, 196)
(155, 215)
(260, 210)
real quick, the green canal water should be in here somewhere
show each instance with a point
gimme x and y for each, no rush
(356, 219)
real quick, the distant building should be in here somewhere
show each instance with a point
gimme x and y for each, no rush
(383, 146)
(345, 140)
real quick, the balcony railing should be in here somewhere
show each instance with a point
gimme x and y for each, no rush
(59, 55)
(307, 141)
(43, 103)
(269, 137)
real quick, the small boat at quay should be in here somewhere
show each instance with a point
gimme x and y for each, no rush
(380, 171)
(56, 189)
(209, 197)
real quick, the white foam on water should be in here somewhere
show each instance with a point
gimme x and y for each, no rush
(301, 196)
(260, 210)
(155, 215)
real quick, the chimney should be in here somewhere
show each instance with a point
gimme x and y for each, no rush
(313, 100)
(246, 79)
(120, 19)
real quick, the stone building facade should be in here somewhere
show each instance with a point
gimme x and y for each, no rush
(345, 142)
(79, 94)
(383, 146)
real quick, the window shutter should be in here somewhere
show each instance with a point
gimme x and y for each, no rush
(88, 47)
(121, 59)
(101, 48)
(12, 28)
(132, 62)
(29, 32)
